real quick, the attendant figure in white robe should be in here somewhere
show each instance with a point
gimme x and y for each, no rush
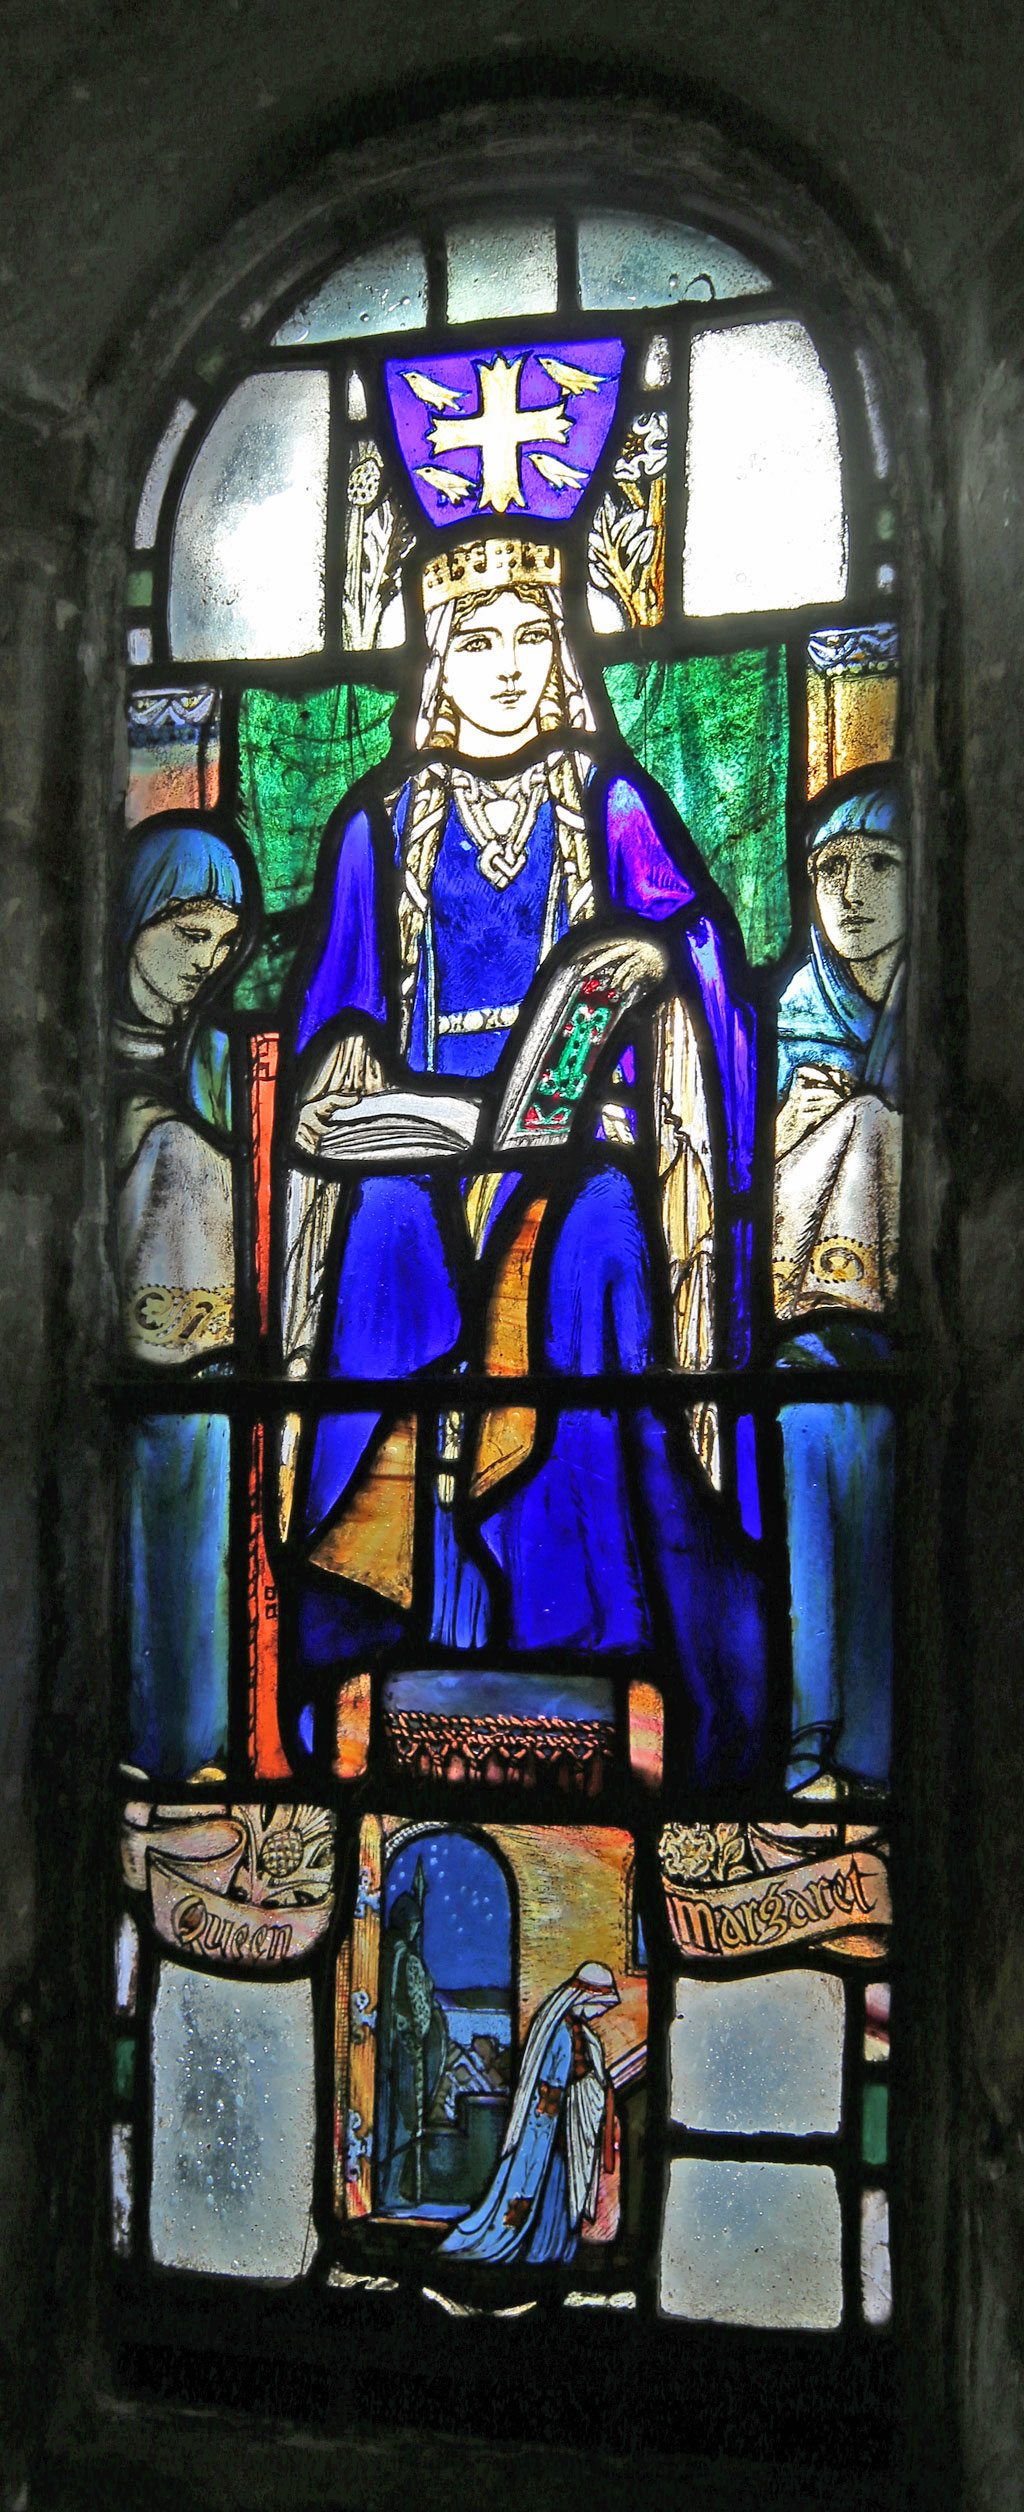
(838, 1142)
(561, 2128)
(181, 923)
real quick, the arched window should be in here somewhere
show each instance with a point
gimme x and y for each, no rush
(506, 1039)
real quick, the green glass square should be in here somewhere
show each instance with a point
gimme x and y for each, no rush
(876, 2123)
(124, 2070)
(140, 588)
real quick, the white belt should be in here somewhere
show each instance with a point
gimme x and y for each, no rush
(459, 1024)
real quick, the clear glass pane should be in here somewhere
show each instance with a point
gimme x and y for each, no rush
(509, 267)
(628, 260)
(757, 2244)
(233, 2123)
(766, 525)
(126, 1966)
(122, 2188)
(876, 2022)
(247, 565)
(875, 2261)
(159, 473)
(385, 290)
(657, 369)
(759, 2055)
(876, 422)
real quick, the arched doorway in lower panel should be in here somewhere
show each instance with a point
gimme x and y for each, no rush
(446, 2023)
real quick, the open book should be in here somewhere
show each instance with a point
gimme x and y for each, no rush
(542, 1074)
(547, 1070)
(402, 1125)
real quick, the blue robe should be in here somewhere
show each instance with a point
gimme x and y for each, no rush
(613, 1505)
(825, 1019)
(526, 2214)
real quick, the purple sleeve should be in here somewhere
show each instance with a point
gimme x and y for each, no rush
(347, 975)
(641, 874)
(643, 878)
(732, 1030)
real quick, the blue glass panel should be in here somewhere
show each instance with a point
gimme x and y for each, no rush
(445, 2026)
(476, 1694)
(839, 1505)
(176, 1592)
(746, 1475)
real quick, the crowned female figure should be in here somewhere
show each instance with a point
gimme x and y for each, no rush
(513, 934)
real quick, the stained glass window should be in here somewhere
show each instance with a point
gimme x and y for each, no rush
(509, 959)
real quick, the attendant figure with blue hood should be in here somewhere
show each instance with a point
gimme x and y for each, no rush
(838, 1141)
(180, 924)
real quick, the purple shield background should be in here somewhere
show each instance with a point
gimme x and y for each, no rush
(590, 415)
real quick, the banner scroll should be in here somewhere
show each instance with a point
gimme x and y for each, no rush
(839, 1902)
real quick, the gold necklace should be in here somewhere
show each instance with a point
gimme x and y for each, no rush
(499, 818)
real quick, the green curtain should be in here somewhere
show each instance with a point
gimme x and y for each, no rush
(715, 732)
(297, 759)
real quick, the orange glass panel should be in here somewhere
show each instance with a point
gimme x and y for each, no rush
(173, 752)
(852, 701)
(355, 2045)
(372, 1543)
(266, 1750)
(646, 1732)
(507, 1434)
(352, 1733)
(263, 1068)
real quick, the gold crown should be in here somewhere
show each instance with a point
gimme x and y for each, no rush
(480, 567)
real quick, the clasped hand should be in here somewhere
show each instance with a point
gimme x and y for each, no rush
(815, 1093)
(349, 1071)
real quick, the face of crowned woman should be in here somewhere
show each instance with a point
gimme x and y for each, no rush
(495, 672)
(175, 956)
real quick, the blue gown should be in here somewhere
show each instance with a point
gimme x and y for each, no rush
(614, 1506)
(525, 2212)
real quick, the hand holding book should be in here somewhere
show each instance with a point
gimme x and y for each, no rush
(544, 1072)
(349, 1075)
